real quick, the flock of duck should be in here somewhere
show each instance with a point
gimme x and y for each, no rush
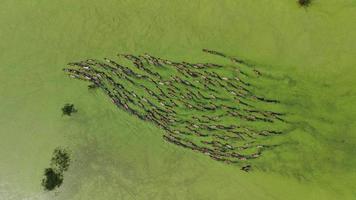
(209, 108)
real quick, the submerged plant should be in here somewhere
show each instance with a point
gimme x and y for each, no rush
(60, 160)
(68, 109)
(53, 176)
(52, 179)
(304, 3)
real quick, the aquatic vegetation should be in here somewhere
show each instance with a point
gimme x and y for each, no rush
(54, 175)
(210, 108)
(68, 109)
(52, 179)
(304, 3)
(60, 159)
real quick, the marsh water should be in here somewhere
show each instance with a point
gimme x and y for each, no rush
(309, 52)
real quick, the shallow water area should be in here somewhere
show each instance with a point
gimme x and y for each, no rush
(310, 53)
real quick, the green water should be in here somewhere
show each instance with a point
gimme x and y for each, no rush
(116, 156)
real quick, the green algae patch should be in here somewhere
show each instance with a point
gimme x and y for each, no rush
(310, 52)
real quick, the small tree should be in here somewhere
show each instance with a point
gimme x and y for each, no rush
(68, 109)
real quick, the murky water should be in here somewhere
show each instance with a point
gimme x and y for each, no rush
(115, 156)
